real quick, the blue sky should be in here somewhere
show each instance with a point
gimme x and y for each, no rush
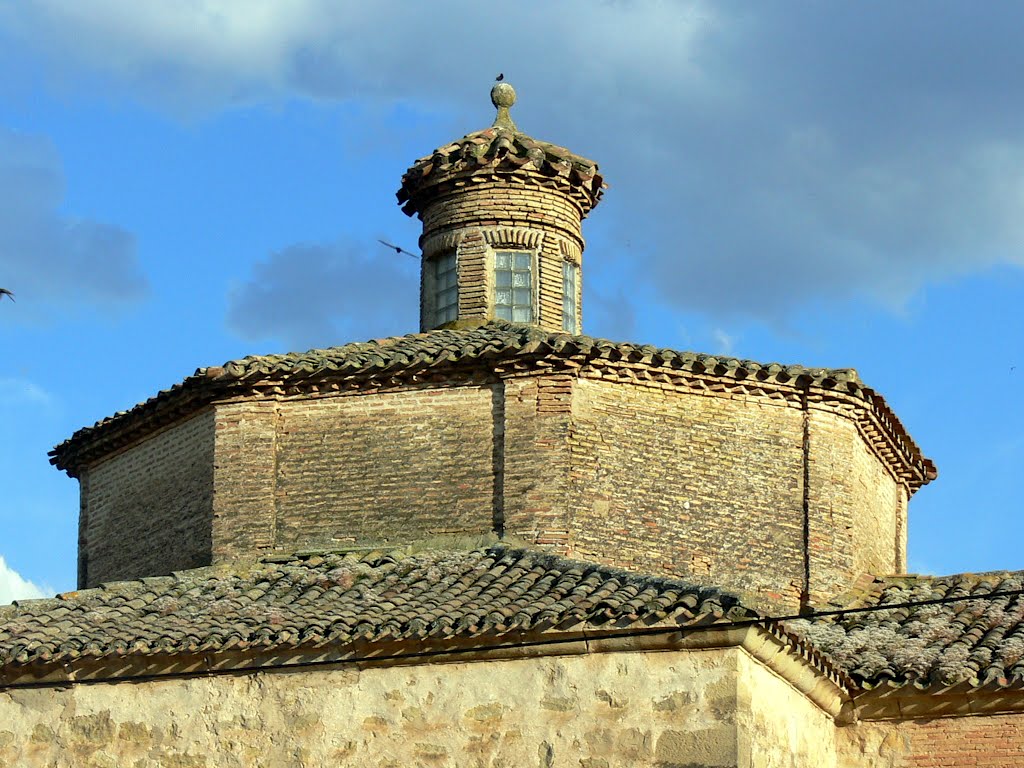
(825, 184)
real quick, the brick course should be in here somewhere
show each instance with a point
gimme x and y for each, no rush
(148, 509)
(493, 215)
(992, 741)
(708, 486)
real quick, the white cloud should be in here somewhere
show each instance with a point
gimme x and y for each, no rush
(309, 295)
(14, 587)
(724, 342)
(49, 260)
(762, 155)
(15, 391)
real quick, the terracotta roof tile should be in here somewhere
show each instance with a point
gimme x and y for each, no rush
(973, 640)
(501, 151)
(336, 600)
(494, 342)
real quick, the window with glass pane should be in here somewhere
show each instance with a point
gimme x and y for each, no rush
(569, 297)
(513, 286)
(446, 289)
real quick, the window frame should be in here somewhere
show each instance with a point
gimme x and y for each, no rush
(570, 306)
(434, 291)
(512, 271)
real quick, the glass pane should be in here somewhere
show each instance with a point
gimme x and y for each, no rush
(503, 296)
(521, 315)
(503, 278)
(523, 260)
(521, 279)
(503, 260)
(504, 313)
(521, 297)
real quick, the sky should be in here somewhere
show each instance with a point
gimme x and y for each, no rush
(838, 185)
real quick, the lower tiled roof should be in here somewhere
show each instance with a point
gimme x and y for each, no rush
(502, 594)
(967, 640)
(317, 601)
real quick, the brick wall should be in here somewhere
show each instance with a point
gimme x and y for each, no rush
(147, 510)
(992, 741)
(499, 203)
(536, 458)
(996, 741)
(858, 516)
(708, 486)
(382, 468)
(704, 487)
(493, 215)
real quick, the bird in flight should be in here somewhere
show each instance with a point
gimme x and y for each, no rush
(397, 249)
(500, 77)
(8, 294)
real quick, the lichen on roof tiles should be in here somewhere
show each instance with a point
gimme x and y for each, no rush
(335, 600)
(974, 639)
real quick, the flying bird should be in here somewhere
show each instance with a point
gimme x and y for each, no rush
(5, 292)
(500, 77)
(397, 249)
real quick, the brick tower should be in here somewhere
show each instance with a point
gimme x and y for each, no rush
(502, 215)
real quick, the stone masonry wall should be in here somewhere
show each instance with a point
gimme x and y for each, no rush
(381, 468)
(664, 710)
(779, 726)
(147, 511)
(704, 487)
(858, 517)
(992, 741)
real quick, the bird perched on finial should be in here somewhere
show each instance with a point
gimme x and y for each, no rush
(8, 294)
(500, 77)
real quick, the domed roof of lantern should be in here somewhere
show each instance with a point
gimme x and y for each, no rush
(500, 152)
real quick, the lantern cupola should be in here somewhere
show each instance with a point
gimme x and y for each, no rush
(502, 227)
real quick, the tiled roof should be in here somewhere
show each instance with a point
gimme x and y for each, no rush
(493, 342)
(501, 150)
(972, 642)
(318, 601)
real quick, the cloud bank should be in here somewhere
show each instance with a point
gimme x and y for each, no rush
(318, 295)
(762, 156)
(48, 259)
(14, 587)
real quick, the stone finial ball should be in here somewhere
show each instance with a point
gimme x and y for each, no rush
(503, 95)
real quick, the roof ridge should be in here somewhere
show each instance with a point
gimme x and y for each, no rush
(488, 344)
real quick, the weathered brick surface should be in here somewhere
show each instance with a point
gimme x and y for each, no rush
(147, 510)
(388, 467)
(245, 478)
(993, 741)
(858, 510)
(494, 215)
(499, 203)
(708, 486)
(536, 458)
(703, 487)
